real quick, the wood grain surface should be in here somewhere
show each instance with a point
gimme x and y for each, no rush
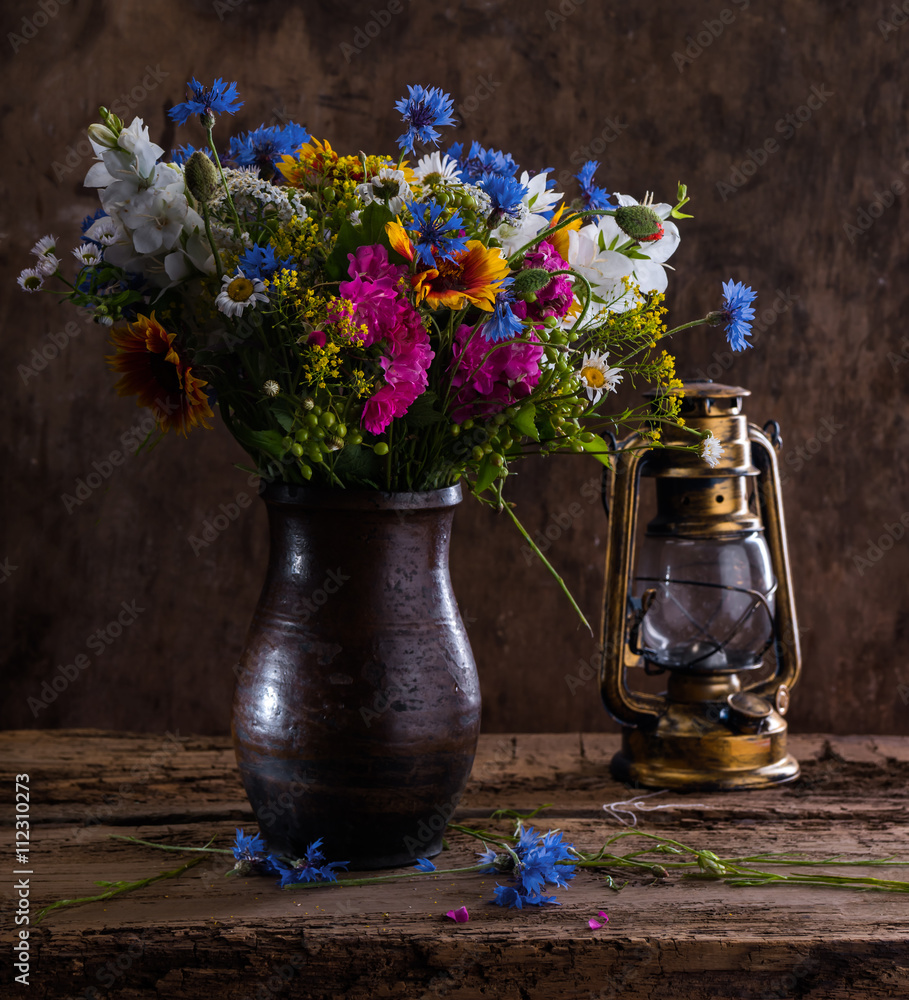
(202, 935)
(788, 122)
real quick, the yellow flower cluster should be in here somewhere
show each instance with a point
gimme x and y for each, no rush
(324, 365)
(297, 239)
(342, 313)
(316, 164)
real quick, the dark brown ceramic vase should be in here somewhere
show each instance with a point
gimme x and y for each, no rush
(357, 707)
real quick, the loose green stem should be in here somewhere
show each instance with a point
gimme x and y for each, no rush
(171, 847)
(118, 888)
(379, 879)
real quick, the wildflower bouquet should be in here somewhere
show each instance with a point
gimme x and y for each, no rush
(361, 322)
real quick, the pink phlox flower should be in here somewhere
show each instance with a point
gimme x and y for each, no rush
(372, 262)
(390, 318)
(373, 289)
(406, 368)
(459, 916)
(488, 384)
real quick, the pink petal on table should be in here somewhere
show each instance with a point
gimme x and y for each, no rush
(594, 925)
(605, 918)
(459, 916)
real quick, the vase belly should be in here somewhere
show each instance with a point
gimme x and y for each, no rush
(357, 706)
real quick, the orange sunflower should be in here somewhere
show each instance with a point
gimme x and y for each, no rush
(474, 274)
(152, 369)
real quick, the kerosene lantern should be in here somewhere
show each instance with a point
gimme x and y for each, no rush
(705, 599)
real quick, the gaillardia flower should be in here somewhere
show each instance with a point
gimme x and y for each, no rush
(153, 369)
(475, 274)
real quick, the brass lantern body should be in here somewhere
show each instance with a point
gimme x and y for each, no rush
(712, 728)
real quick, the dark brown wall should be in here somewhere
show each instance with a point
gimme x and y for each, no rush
(542, 79)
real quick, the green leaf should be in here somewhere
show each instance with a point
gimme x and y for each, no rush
(285, 419)
(268, 442)
(423, 412)
(599, 449)
(358, 466)
(486, 475)
(525, 423)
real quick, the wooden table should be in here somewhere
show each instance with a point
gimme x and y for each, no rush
(202, 935)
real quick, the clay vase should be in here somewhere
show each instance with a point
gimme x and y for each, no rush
(357, 708)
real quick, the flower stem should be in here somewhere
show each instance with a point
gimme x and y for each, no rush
(546, 563)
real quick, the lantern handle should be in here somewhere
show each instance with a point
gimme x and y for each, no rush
(769, 494)
(633, 708)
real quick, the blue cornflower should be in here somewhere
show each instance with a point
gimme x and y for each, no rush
(480, 163)
(593, 197)
(248, 847)
(436, 235)
(182, 153)
(259, 263)
(505, 193)
(425, 108)
(265, 145)
(252, 855)
(312, 867)
(503, 324)
(425, 865)
(736, 313)
(537, 866)
(219, 98)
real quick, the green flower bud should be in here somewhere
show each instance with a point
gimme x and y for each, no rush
(334, 443)
(530, 280)
(640, 222)
(102, 135)
(202, 177)
(114, 123)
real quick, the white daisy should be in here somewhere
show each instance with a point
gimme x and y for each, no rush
(104, 231)
(87, 255)
(711, 450)
(238, 292)
(47, 265)
(437, 168)
(386, 185)
(31, 279)
(46, 245)
(597, 376)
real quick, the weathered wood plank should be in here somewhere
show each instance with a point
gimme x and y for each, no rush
(205, 935)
